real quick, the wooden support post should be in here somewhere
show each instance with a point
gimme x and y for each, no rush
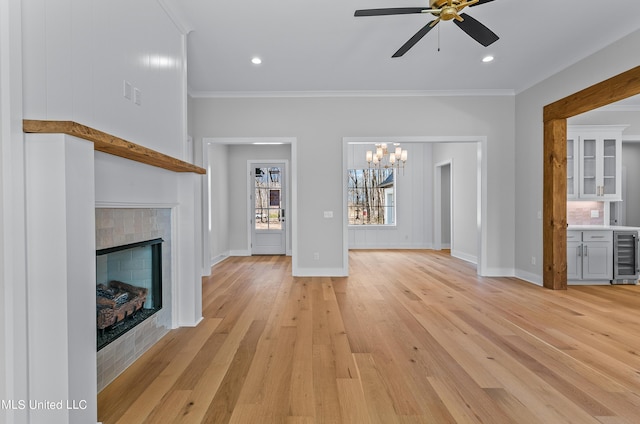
(555, 205)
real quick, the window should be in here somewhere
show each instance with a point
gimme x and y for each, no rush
(371, 197)
(268, 199)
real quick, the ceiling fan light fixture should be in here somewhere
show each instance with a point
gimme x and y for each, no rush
(443, 10)
(488, 59)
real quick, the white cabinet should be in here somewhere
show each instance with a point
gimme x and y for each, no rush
(590, 255)
(572, 165)
(594, 162)
(574, 255)
(597, 255)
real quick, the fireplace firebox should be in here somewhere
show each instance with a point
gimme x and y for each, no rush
(129, 287)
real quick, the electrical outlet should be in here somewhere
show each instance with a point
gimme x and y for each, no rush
(316, 256)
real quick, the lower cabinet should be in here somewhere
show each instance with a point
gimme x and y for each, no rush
(589, 255)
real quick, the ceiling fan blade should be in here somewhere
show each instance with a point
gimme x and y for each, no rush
(476, 30)
(480, 2)
(413, 40)
(390, 11)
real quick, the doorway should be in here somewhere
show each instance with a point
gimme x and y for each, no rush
(478, 202)
(226, 210)
(554, 234)
(267, 207)
(443, 210)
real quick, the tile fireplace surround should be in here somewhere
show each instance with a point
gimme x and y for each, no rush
(119, 226)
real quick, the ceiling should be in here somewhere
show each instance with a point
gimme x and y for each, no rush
(319, 46)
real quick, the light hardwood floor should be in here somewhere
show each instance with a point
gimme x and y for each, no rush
(408, 337)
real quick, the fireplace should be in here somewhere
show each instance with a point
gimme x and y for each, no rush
(128, 289)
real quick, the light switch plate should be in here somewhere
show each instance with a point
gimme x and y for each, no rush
(328, 214)
(126, 90)
(137, 96)
(595, 213)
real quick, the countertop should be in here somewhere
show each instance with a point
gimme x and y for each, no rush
(601, 228)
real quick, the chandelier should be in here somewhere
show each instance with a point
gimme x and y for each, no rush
(383, 158)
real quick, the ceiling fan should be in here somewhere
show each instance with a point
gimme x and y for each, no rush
(444, 10)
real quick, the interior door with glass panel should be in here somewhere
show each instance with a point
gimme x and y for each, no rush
(268, 230)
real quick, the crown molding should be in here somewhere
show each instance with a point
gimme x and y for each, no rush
(350, 93)
(176, 16)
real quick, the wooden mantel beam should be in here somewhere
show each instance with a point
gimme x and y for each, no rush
(113, 145)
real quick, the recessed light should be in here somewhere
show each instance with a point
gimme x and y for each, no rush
(487, 59)
(256, 61)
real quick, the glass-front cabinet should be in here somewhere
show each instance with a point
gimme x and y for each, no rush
(611, 166)
(594, 162)
(572, 166)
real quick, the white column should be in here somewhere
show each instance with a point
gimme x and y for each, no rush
(13, 342)
(60, 204)
(188, 251)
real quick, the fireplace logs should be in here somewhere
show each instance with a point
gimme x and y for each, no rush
(120, 307)
(117, 301)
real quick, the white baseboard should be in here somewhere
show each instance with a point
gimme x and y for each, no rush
(537, 280)
(529, 277)
(191, 324)
(239, 253)
(320, 272)
(588, 283)
(365, 246)
(217, 259)
(498, 272)
(465, 256)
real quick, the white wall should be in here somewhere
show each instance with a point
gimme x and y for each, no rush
(5, 119)
(631, 199)
(604, 64)
(445, 206)
(319, 124)
(13, 314)
(219, 205)
(610, 116)
(77, 56)
(464, 180)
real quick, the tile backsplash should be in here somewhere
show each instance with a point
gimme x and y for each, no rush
(580, 213)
